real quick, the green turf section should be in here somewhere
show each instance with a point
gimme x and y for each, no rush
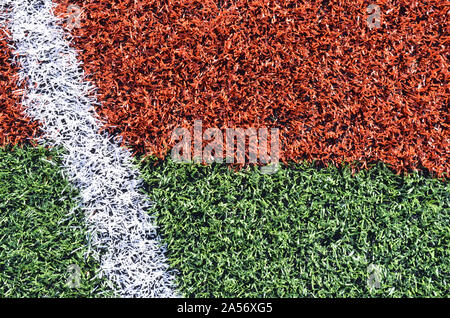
(39, 240)
(302, 231)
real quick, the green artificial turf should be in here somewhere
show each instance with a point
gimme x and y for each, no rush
(42, 233)
(303, 231)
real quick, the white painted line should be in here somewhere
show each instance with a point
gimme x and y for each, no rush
(123, 236)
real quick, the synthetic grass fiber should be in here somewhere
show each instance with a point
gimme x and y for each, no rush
(15, 126)
(57, 94)
(302, 232)
(337, 89)
(42, 232)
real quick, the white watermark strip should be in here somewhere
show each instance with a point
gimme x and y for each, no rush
(122, 233)
(374, 18)
(229, 147)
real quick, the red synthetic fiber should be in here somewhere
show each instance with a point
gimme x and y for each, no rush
(15, 127)
(338, 90)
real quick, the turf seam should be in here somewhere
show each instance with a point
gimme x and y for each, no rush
(123, 235)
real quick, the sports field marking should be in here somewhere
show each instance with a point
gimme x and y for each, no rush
(124, 237)
(42, 230)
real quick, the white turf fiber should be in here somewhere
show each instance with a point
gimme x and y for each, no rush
(122, 234)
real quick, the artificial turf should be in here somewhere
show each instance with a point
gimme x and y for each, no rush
(303, 231)
(338, 89)
(42, 232)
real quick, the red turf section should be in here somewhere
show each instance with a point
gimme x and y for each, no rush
(338, 90)
(15, 127)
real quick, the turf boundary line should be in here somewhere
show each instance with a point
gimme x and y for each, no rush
(122, 233)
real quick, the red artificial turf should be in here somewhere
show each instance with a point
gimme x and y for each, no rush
(338, 90)
(15, 127)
